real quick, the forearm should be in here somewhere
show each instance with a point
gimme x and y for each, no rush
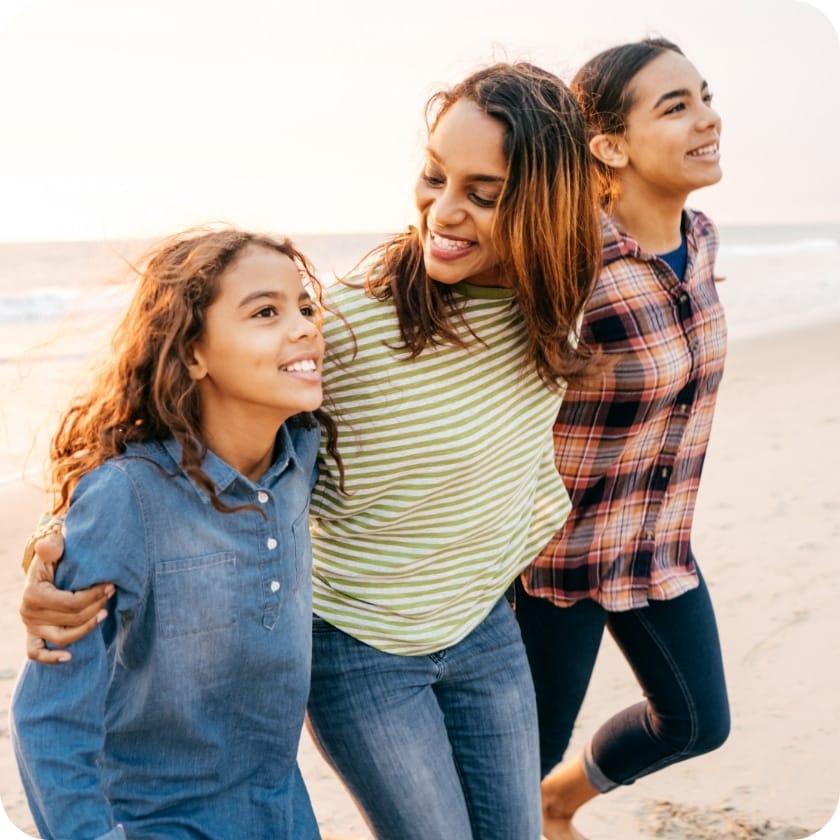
(57, 728)
(48, 525)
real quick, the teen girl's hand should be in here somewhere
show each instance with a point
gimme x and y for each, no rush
(52, 615)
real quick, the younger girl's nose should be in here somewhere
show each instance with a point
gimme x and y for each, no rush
(307, 326)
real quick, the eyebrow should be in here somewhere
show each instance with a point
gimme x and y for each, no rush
(303, 297)
(478, 177)
(678, 94)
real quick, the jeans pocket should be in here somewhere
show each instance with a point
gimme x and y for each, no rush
(195, 594)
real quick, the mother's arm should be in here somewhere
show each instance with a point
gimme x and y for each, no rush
(52, 615)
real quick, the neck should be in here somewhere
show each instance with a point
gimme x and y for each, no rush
(243, 442)
(654, 221)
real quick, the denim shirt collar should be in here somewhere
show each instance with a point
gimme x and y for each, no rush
(224, 476)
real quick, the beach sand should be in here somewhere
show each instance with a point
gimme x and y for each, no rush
(767, 537)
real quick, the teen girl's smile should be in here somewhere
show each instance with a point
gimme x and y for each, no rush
(710, 152)
(457, 194)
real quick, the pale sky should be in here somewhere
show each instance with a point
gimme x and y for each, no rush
(131, 119)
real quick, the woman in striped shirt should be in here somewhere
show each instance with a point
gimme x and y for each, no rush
(444, 375)
(631, 448)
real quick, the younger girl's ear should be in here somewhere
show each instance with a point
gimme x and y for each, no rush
(196, 367)
(609, 149)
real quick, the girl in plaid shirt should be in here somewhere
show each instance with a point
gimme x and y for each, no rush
(630, 447)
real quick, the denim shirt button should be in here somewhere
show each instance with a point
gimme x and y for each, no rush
(262, 497)
(275, 585)
(271, 543)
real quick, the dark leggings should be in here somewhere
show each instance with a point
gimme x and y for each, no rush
(674, 651)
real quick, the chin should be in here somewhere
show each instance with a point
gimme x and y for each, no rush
(448, 278)
(314, 405)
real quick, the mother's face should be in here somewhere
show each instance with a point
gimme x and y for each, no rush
(457, 195)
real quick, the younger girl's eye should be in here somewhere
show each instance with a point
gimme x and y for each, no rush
(265, 312)
(313, 312)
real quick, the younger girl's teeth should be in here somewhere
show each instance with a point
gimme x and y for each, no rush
(303, 366)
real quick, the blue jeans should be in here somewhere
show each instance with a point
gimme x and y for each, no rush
(437, 747)
(674, 651)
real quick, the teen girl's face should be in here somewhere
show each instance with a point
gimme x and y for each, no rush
(261, 353)
(457, 195)
(673, 133)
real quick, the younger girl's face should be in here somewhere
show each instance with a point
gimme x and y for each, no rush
(261, 353)
(672, 137)
(457, 194)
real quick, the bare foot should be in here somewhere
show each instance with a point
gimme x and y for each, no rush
(560, 828)
(564, 790)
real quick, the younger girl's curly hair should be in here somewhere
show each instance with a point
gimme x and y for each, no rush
(145, 391)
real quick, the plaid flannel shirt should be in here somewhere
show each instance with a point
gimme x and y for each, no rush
(631, 449)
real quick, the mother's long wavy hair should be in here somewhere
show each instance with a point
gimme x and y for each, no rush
(144, 392)
(546, 229)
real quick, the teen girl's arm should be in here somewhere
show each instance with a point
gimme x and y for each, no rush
(58, 714)
(53, 615)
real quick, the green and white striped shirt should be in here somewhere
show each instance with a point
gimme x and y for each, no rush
(449, 469)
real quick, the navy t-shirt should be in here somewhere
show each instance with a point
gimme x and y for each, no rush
(677, 258)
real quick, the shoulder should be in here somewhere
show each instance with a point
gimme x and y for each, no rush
(344, 300)
(142, 465)
(106, 523)
(350, 291)
(356, 316)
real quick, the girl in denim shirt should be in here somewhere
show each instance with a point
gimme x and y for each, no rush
(181, 715)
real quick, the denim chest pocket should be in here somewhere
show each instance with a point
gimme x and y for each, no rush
(195, 594)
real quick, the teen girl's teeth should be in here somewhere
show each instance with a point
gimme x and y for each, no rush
(303, 366)
(711, 149)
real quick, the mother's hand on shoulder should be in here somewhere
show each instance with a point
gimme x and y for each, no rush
(52, 615)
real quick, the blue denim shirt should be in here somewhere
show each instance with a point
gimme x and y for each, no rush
(181, 716)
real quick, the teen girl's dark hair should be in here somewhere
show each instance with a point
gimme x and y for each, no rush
(603, 89)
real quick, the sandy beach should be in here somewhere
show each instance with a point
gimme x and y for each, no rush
(767, 537)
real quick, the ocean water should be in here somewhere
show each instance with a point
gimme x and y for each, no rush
(59, 302)
(778, 277)
(775, 276)
(45, 281)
